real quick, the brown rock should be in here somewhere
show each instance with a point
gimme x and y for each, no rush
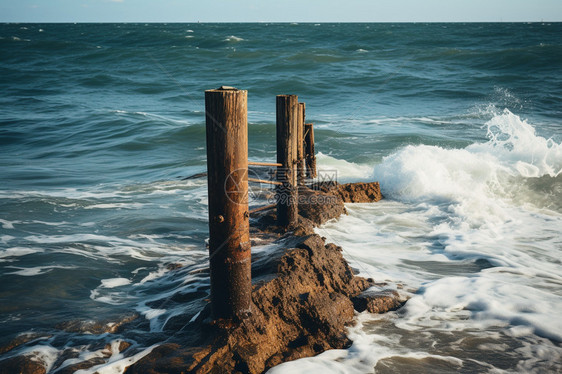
(81, 365)
(302, 298)
(174, 266)
(96, 327)
(107, 351)
(319, 206)
(301, 312)
(124, 345)
(359, 192)
(19, 340)
(378, 301)
(22, 365)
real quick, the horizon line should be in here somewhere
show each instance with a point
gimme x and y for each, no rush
(271, 22)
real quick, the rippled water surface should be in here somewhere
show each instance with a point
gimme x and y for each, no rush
(460, 123)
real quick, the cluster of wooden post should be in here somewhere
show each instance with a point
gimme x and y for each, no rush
(295, 154)
(227, 164)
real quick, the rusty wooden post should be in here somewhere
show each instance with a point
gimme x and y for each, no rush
(287, 112)
(309, 150)
(226, 115)
(300, 145)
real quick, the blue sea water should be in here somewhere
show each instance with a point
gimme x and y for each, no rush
(100, 123)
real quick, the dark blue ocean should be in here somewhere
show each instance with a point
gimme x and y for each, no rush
(460, 123)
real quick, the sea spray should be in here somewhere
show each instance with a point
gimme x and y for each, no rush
(453, 226)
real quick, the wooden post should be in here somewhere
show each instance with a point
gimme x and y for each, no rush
(309, 150)
(226, 115)
(300, 144)
(287, 112)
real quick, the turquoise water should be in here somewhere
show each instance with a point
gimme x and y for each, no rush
(459, 122)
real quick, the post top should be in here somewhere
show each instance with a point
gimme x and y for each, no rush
(226, 89)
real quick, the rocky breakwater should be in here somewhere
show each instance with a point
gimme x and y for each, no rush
(304, 295)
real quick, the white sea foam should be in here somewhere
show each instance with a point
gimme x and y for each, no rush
(466, 229)
(476, 179)
(7, 224)
(346, 171)
(117, 364)
(6, 238)
(233, 38)
(112, 249)
(112, 298)
(153, 275)
(152, 315)
(10, 224)
(38, 270)
(115, 206)
(115, 282)
(19, 251)
(368, 348)
(44, 354)
(69, 193)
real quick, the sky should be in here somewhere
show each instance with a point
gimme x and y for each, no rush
(280, 11)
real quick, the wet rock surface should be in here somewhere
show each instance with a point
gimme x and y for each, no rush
(302, 296)
(96, 327)
(22, 364)
(301, 312)
(20, 340)
(378, 301)
(360, 192)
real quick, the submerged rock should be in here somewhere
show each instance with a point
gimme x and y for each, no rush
(25, 364)
(20, 340)
(96, 327)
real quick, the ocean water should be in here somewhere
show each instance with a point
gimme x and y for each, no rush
(460, 123)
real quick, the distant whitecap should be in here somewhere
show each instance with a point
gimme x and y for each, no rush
(233, 38)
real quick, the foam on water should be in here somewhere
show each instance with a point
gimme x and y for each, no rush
(115, 282)
(346, 171)
(233, 38)
(92, 166)
(38, 270)
(5, 254)
(7, 224)
(464, 235)
(476, 181)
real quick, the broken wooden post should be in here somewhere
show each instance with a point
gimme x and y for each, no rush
(226, 115)
(309, 150)
(287, 112)
(300, 145)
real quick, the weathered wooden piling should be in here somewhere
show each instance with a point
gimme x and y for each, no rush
(309, 155)
(300, 145)
(227, 164)
(287, 118)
